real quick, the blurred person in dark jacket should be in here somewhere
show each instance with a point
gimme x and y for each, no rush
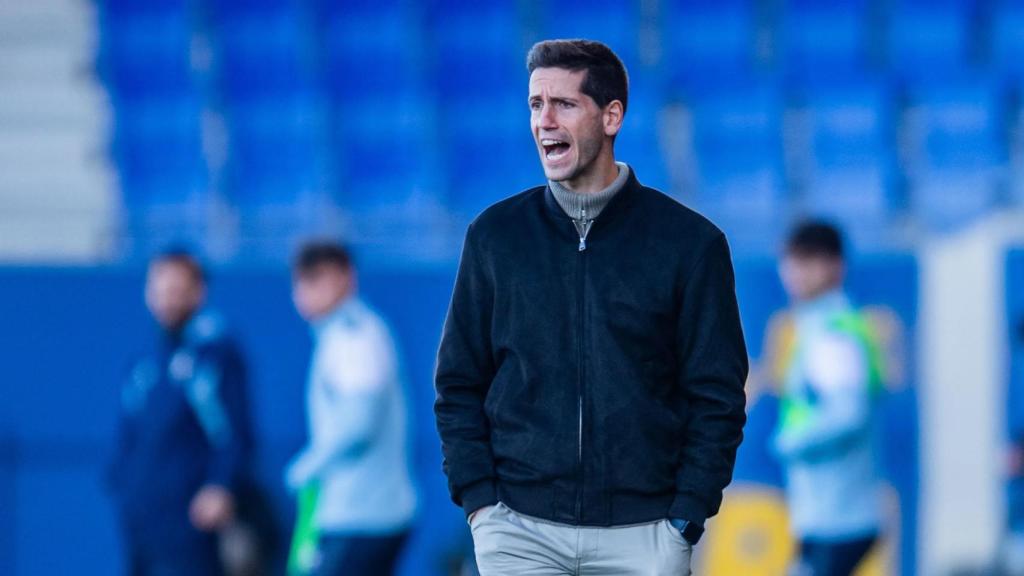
(184, 434)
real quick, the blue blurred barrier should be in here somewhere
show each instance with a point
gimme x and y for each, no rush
(69, 351)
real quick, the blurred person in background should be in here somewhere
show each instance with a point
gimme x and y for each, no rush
(824, 438)
(184, 434)
(590, 377)
(358, 455)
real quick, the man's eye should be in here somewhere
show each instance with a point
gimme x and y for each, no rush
(565, 104)
(534, 105)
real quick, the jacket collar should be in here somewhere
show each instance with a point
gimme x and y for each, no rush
(618, 204)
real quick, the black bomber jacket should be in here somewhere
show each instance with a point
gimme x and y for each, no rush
(595, 384)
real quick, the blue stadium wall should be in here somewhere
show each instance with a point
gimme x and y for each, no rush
(67, 335)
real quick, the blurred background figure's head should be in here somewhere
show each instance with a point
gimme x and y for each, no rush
(322, 277)
(175, 288)
(812, 261)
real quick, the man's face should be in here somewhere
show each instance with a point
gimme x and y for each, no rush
(568, 126)
(316, 292)
(806, 277)
(173, 293)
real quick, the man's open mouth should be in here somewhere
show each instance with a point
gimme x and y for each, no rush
(554, 149)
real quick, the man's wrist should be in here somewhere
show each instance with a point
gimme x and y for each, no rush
(691, 531)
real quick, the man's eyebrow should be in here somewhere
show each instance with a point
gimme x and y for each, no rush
(556, 99)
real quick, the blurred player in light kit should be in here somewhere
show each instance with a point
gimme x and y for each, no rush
(831, 377)
(357, 455)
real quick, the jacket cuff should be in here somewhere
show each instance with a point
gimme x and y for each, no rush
(477, 495)
(687, 507)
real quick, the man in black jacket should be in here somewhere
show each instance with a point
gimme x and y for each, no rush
(590, 377)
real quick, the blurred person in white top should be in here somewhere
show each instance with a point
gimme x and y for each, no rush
(358, 449)
(824, 439)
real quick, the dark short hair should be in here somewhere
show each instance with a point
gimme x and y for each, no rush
(606, 78)
(318, 253)
(815, 238)
(183, 257)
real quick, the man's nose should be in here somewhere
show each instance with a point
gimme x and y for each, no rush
(547, 117)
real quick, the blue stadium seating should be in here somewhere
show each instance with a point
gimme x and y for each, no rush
(144, 57)
(275, 152)
(489, 153)
(392, 102)
(479, 50)
(851, 165)
(158, 149)
(370, 50)
(482, 119)
(268, 95)
(956, 150)
(961, 123)
(145, 53)
(929, 40)
(707, 42)
(328, 9)
(614, 22)
(737, 140)
(385, 152)
(229, 9)
(639, 142)
(1007, 41)
(262, 55)
(825, 40)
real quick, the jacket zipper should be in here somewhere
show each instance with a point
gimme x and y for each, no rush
(583, 229)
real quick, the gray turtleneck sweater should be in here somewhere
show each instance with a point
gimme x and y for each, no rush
(585, 208)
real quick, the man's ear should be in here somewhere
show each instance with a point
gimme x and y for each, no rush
(612, 117)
